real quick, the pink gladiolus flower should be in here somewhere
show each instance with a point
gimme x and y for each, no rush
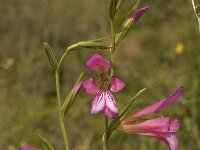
(139, 13)
(103, 100)
(161, 128)
(28, 148)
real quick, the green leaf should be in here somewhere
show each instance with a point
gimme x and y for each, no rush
(134, 8)
(83, 44)
(71, 96)
(119, 3)
(125, 29)
(88, 44)
(91, 44)
(127, 24)
(112, 8)
(52, 59)
(100, 39)
(115, 123)
(45, 142)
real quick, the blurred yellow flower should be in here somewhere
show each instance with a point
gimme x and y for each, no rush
(179, 48)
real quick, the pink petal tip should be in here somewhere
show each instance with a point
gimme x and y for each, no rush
(98, 64)
(90, 86)
(117, 85)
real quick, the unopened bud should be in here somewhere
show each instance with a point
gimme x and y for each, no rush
(139, 13)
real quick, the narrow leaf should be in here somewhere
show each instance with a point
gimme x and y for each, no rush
(118, 4)
(112, 8)
(127, 25)
(100, 39)
(45, 142)
(134, 8)
(91, 44)
(52, 59)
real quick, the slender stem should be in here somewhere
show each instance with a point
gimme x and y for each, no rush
(113, 35)
(61, 119)
(105, 136)
(112, 49)
(65, 54)
(60, 112)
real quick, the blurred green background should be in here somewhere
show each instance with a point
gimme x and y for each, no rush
(161, 53)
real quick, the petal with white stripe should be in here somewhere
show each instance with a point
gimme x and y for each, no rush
(111, 109)
(98, 103)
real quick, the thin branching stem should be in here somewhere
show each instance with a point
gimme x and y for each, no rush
(65, 54)
(105, 136)
(61, 119)
(112, 49)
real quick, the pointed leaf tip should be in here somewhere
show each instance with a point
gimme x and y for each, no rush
(112, 8)
(51, 57)
(44, 141)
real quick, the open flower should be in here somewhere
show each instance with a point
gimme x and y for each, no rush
(161, 128)
(103, 99)
(28, 148)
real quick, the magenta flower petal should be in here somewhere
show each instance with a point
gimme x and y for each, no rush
(163, 124)
(111, 114)
(28, 148)
(98, 64)
(160, 105)
(117, 84)
(98, 103)
(161, 128)
(111, 109)
(168, 138)
(90, 86)
(139, 13)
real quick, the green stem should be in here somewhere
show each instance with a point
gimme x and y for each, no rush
(75, 46)
(105, 136)
(61, 118)
(112, 49)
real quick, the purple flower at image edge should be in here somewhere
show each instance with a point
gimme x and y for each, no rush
(162, 128)
(28, 148)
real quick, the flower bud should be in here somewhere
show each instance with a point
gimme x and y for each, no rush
(139, 13)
